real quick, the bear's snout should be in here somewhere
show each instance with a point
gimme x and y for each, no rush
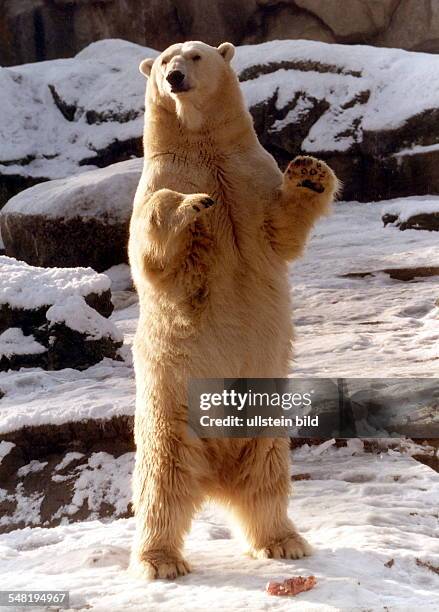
(175, 78)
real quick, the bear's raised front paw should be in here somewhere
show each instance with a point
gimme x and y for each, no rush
(291, 547)
(311, 174)
(157, 566)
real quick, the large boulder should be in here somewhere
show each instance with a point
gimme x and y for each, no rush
(54, 318)
(361, 111)
(78, 221)
(33, 30)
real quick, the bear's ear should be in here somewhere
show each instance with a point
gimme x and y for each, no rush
(227, 50)
(145, 66)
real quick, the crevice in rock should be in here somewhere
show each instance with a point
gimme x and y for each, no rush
(67, 110)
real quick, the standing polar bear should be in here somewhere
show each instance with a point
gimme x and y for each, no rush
(214, 224)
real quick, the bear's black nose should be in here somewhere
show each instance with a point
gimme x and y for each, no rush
(175, 78)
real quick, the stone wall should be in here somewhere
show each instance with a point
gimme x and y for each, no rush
(34, 30)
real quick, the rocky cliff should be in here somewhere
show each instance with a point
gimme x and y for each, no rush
(33, 30)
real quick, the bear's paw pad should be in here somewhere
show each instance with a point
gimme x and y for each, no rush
(310, 173)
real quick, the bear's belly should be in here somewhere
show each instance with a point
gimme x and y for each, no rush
(244, 329)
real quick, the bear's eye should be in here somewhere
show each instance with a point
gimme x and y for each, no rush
(196, 58)
(164, 62)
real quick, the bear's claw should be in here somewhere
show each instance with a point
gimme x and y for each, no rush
(203, 203)
(156, 569)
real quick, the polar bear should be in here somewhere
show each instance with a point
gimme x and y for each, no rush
(213, 228)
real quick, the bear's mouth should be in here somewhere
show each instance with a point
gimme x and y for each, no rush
(177, 89)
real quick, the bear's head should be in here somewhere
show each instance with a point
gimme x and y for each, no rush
(188, 77)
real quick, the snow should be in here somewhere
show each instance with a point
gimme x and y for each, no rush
(31, 468)
(76, 314)
(369, 327)
(120, 276)
(358, 510)
(27, 507)
(36, 397)
(404, 208)
(5, 449)
(14, 342)
(417, 150)
(30, 287)
(89, 195)
(67, 459)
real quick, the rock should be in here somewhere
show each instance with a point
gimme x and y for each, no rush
(423, 221)
(52, 462)
(401, 274)
(79, 221)
(27, 292)
(77, 336)
(413, 213)
(45, 320)
(34, 30)
(358, 21)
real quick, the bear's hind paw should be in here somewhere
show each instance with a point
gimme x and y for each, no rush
(154, 568)
(292, 547)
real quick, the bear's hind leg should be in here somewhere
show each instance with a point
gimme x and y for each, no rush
(166, 495)
(261, 510)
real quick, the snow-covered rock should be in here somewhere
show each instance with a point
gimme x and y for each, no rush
(53, 318)
(26, 292)
(75, 313)
(371, 112)
(77, 221)
(416, 213)
(18, 350)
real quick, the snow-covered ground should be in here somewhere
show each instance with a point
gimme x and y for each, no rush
(372, 519)
(354, 327)
(373, 326)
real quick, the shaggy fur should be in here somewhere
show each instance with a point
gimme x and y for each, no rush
(214, 224)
